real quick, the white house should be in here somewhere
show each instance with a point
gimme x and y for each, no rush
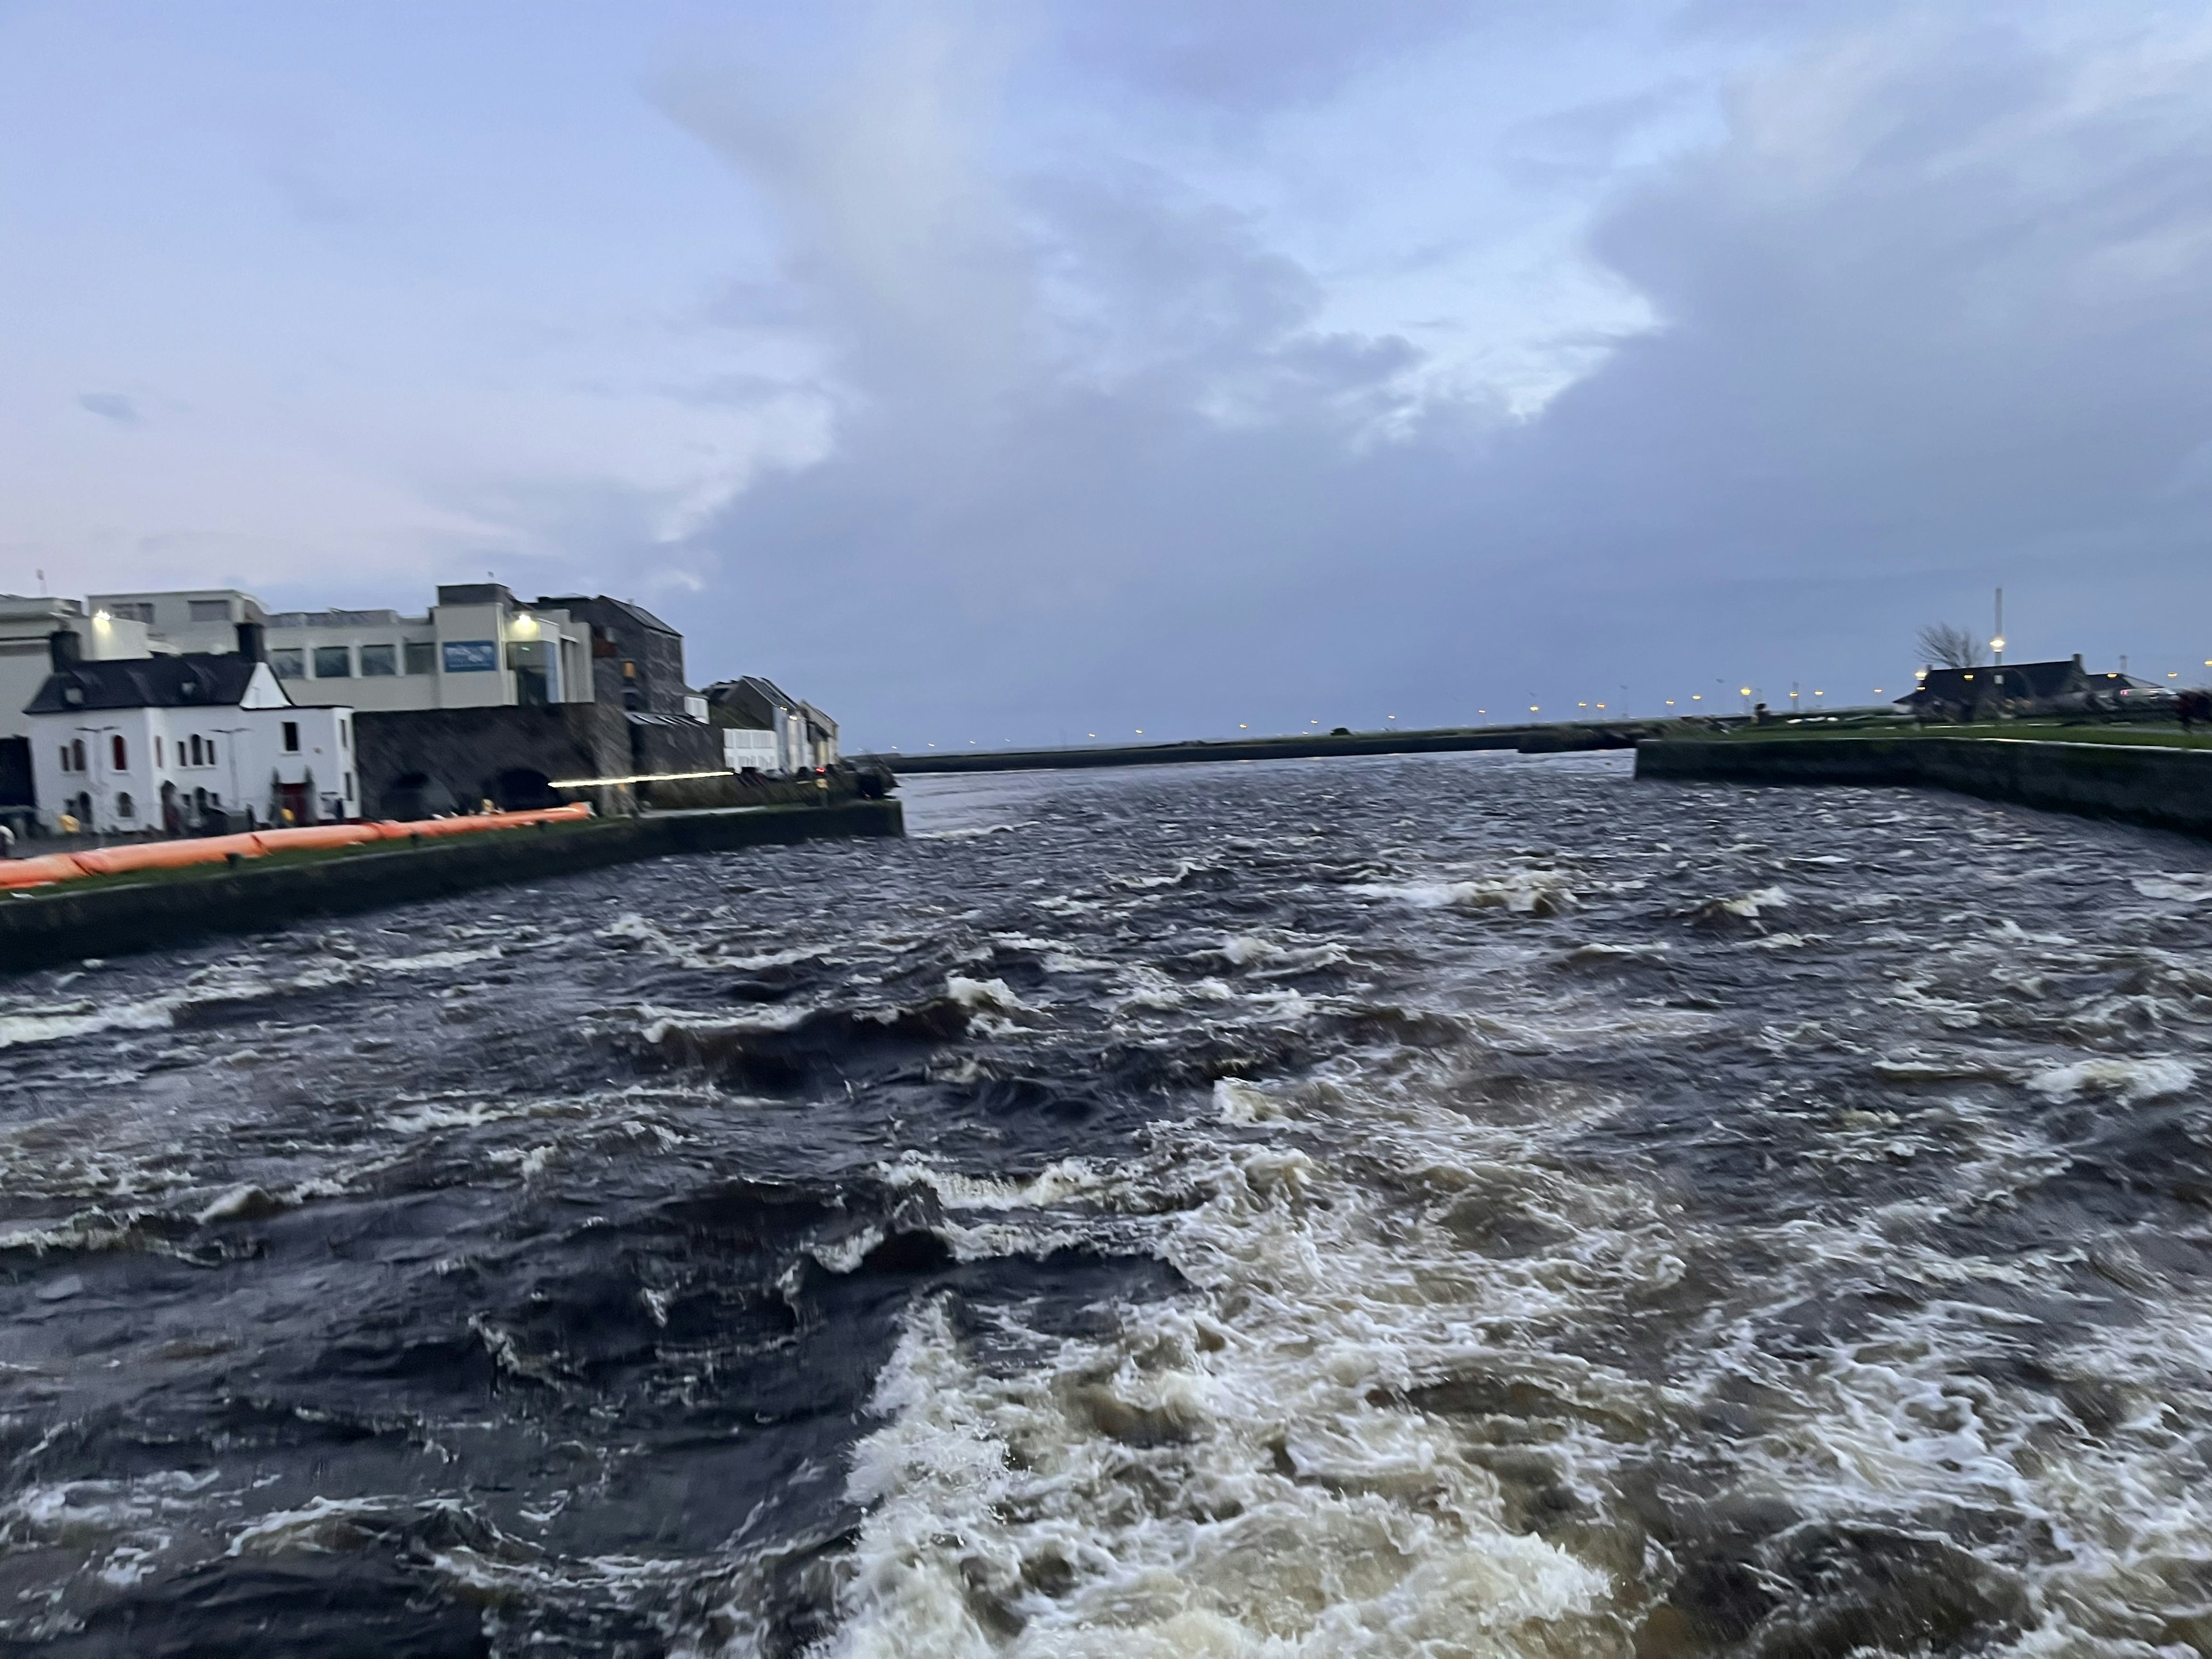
(161, 743)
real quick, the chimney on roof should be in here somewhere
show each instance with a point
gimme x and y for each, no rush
(64, 649)
(252, 642)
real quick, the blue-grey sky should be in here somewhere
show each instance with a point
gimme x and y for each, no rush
(1019, 371)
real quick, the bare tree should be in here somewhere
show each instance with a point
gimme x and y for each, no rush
(1943, 646)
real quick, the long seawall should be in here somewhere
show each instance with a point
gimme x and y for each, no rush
(42, 927)
(2166, 788)
(1528, 739)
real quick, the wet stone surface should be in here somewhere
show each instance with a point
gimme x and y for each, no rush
(1448, 1205)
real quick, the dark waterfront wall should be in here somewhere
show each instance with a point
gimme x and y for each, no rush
(417, 762)
(1527, 739)
(66, 925)
(2141, 783)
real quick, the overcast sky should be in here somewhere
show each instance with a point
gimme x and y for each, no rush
(1022, 371)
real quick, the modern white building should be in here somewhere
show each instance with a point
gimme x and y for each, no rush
(26, 630)
(159, 743)
(478, 646)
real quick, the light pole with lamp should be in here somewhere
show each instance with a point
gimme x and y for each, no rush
(1996, 653)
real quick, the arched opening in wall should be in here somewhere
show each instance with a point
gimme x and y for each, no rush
(519, 789)
(172, 820)
(415, 795)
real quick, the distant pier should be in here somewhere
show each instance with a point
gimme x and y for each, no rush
(1564, 738)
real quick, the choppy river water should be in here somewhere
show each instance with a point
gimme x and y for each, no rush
(1456, 1206)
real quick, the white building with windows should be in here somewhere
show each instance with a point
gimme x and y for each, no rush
(478, 647)
(164, 744)
(28, 626)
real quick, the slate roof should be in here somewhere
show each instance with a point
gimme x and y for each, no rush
(576, 602)
(192, 680)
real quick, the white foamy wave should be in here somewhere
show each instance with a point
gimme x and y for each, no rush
(2130, 1081)
(1748, 906)
(1068, 1180)
(1246, 1471)
(1520, 892)
(32, 1024)
(2183, 887)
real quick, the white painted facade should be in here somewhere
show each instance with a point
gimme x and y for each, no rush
(747, 751)
(115, 769)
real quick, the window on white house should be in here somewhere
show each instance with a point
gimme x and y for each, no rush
(288, 662)
(291, 737)
(209, 609)
(120, 751)
(136, 611)
(333, 662)
(158, 761)
(378, 660)
(421, 656)
(66, 767)
(124, 806)
(194, 751)
(77, 755)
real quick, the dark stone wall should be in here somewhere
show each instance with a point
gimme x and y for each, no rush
(686, 746)
(66, 924)
(2169, 788)
(419, 762)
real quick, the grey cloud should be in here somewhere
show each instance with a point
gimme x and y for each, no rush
(112, 406)
(1934, 314)
(1240, 56)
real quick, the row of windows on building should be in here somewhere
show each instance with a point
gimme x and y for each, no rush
(127, 807)
(200, 610)
(336, 662)
(194, 750)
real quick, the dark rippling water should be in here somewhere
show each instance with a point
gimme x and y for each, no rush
(1453, 1206)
